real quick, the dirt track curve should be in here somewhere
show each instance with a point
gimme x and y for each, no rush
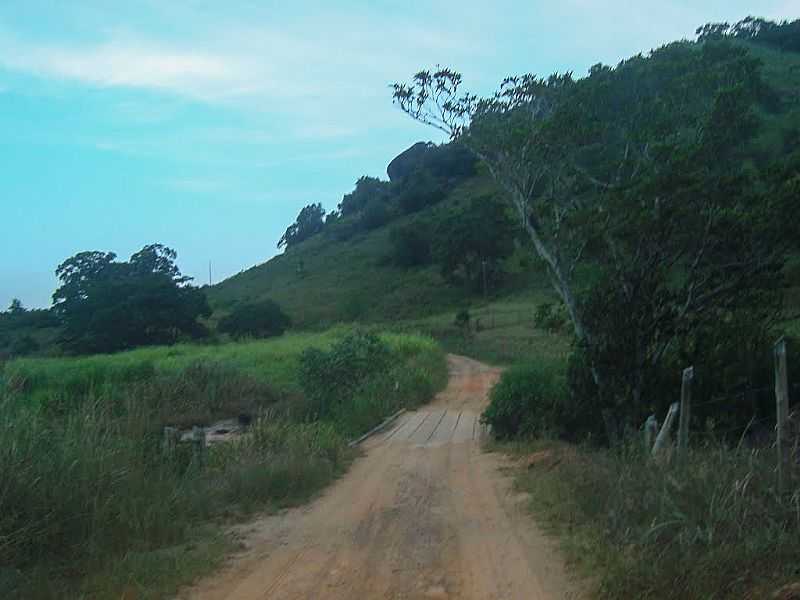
(424, 514)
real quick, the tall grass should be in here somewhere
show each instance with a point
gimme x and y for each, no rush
(712, 526)
(90, 503)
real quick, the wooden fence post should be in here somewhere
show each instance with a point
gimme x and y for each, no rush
(781, 410)
(170, 440)
(650, 431)
(686, 401)
(198, 445)
(663, 435)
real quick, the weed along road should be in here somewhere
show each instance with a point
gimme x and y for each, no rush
(425, 513)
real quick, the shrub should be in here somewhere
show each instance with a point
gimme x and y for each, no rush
(262, 320)
(329, 377)
(549, 317)
(528, 400)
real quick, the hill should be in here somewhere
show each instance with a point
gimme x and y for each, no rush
(325, 279)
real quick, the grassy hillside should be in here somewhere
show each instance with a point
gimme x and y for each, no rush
(323, 281)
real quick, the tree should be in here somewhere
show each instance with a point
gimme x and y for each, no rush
(630, 171)
(309, 222)
(784, 35)
(106, 306)
(368, 190)
(16, 307)
(157, 259)
(419, 190)
(469, 246)
(261, 320)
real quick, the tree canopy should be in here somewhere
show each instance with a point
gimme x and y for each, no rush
(643, 173)
(309, 222)
(106, 305)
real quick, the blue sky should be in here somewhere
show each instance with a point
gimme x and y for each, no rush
(207, 125)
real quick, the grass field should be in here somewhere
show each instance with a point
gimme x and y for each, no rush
(91, 505)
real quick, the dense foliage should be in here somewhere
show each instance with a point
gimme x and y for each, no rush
(259, 320)
(331, 377)
(308, 223)
(19, 328)
(470, 245)
(784, 35)
(411, 244)
(368, 189)
(644, 191)
(107, 306)
(420, 177)
(530, 399)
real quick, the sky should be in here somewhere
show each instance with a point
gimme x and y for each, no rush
(208, 125)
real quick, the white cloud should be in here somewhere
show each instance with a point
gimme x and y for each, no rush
(145, 65)
(259, 63)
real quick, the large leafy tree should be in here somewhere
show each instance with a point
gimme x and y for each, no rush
(368, 190)
(106, 305)
(637, 172)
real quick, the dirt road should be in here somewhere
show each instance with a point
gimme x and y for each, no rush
(424, 514)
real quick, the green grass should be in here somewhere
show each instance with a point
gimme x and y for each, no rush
(502, 332)
(273, 362)
(91, 504)
(713, 527)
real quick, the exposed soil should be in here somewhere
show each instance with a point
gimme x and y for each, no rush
(424, 514)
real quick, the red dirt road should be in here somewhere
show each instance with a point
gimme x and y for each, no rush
(424, 514)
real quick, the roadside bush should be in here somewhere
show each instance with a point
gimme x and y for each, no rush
(529, 400)
(259, 320)
(549, 317)
(329, 377)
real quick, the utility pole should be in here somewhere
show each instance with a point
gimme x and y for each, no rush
(209, 272)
